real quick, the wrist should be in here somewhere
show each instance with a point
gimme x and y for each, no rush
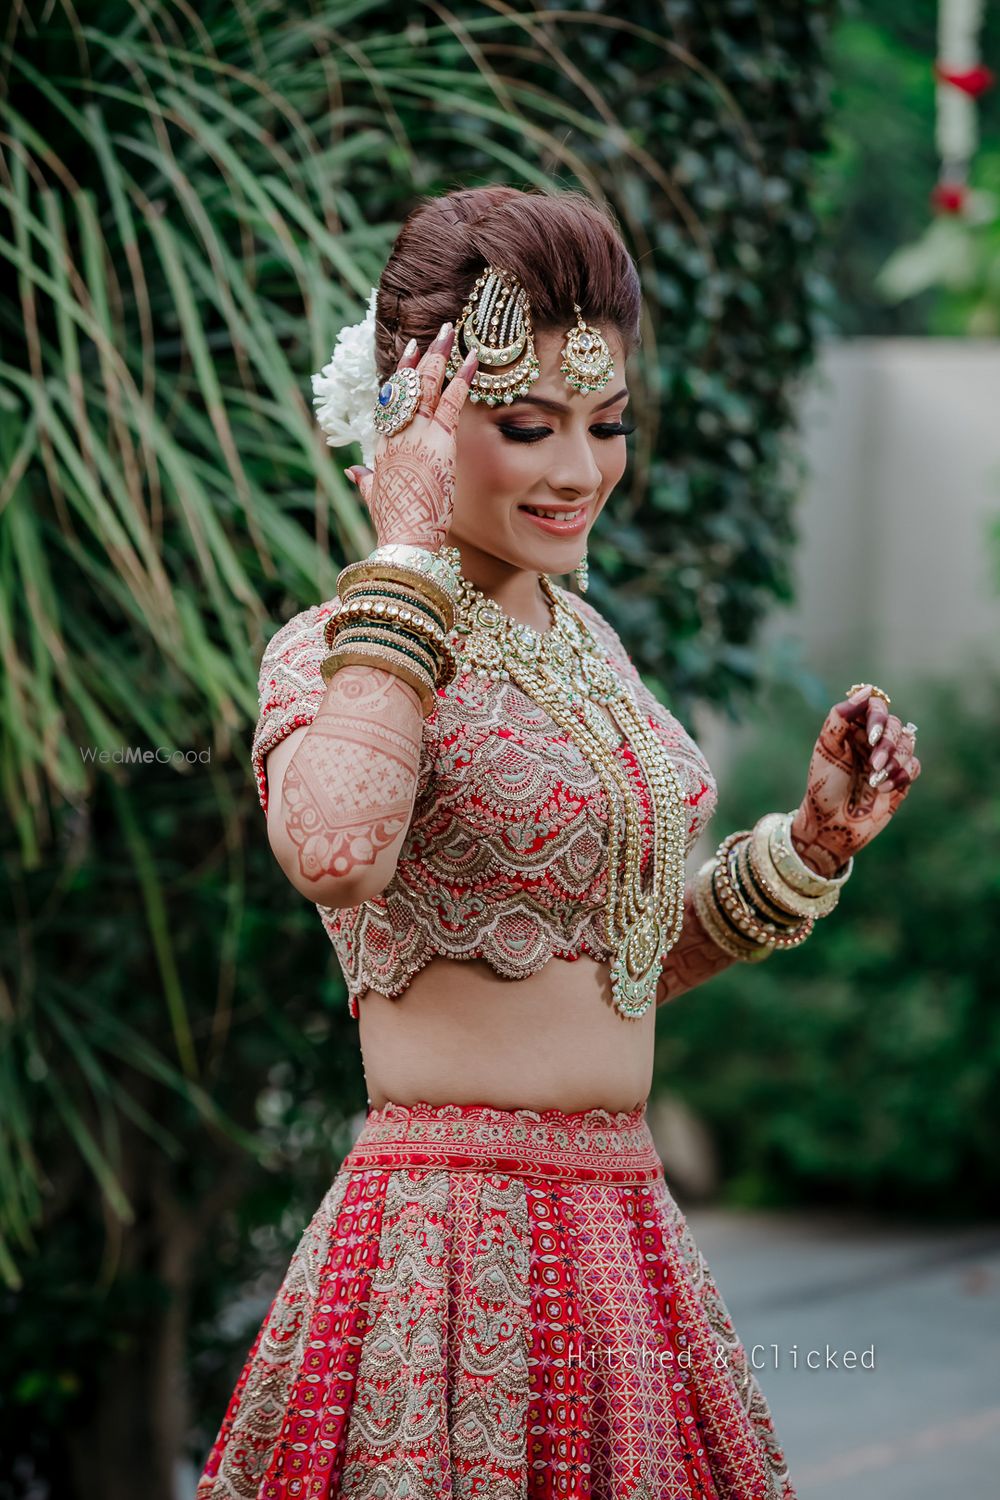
(428, 542)
(816, 856)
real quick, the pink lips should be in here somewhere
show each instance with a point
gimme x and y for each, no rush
(558, 528)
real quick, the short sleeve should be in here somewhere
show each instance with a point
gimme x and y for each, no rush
(290, 687)
(701, 792)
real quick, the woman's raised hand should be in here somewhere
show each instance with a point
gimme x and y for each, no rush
(410, 492)
(842, 811)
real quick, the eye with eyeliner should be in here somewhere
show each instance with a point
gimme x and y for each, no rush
(535, 434)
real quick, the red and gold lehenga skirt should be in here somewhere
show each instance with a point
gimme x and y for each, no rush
(498, 1303)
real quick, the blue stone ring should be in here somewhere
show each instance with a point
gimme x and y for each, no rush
(397, 401)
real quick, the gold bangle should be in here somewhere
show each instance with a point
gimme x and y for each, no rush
(792, 867)
(708, 915)
(764, 901)
(794, 900)
(732, 905)
(443, 660)
(395, 593)
(423, 560)
(389, 662)
(392, 611)
(377, 633)
(427, 585)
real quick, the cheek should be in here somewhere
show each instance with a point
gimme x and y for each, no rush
(613, 466)
(485, 462)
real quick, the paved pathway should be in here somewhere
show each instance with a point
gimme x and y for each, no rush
(924, 1423)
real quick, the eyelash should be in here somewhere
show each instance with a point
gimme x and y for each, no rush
(535, 434)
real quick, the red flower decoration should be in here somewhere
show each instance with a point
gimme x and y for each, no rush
(971, 81)
(949, 197)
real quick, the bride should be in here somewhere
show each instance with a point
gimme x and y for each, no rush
(462, 769)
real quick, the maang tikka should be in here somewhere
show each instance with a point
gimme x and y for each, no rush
(496, 323)
(587, 362)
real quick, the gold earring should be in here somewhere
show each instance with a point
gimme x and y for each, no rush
(496, 323)
(588, 363)
(582, 573)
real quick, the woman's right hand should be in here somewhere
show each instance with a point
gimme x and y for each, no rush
(410, 492)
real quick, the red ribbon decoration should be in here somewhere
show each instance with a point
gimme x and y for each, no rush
(971, 81)
(949, 197)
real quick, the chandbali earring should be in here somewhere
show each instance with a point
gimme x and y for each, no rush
(496, 323)
(581, 573)
(587, 362)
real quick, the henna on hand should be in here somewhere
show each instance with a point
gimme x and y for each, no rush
(410, 493)
(415, 495)
(348, 791)
(841, 810)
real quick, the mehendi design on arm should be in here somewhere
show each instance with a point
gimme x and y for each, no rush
(348, 791)
(693, 958)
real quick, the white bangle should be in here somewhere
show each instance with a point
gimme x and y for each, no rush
(421, 560)
(793, 868)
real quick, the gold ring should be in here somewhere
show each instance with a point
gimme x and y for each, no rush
(876, 691)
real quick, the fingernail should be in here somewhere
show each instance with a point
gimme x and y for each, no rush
(874, 735)
(352, 476)
(410, 348)
(877, 777)
(443, 332)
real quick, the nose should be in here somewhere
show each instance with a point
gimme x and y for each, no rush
(575, 470)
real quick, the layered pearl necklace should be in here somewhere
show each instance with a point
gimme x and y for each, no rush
(564, 671)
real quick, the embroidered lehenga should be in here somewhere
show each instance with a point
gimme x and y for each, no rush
(493, 1302)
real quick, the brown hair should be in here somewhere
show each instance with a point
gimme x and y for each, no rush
(563, 246)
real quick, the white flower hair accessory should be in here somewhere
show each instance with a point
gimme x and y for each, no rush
(344, 391)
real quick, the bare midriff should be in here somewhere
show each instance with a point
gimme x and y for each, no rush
(462, 1034)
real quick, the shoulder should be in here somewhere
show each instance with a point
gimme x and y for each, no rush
(295, 645)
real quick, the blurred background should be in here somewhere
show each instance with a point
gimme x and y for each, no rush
(192, 203)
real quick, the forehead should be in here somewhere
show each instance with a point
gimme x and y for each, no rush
(552, 382)
(549, 343)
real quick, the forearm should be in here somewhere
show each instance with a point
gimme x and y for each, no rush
(693, 958)
(347, 794)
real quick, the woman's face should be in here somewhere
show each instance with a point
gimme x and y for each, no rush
(555, 448)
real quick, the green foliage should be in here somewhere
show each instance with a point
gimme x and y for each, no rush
(186, 1169)
(957, 256)
(187, 225)
(874, 184)
(192, 203)
(861, 1067)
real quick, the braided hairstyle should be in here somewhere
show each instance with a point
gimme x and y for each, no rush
(563, 247)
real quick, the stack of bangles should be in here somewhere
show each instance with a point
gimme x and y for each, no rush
(395, 610)
(756, 894)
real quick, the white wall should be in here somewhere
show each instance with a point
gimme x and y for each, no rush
(895, 572)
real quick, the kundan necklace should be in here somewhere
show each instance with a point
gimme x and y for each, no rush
(565, 672)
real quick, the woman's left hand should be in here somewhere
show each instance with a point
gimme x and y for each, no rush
(841, 810)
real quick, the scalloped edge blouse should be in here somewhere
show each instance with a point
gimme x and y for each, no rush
(505, 858)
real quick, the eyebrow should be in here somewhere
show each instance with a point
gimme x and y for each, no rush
(560, 406)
